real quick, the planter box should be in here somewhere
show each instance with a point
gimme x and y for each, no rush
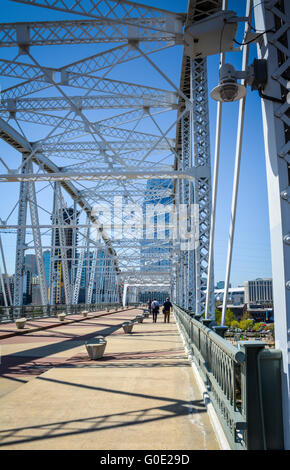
(96, 347)
(127, 327)
(20, 323)
(61, 316)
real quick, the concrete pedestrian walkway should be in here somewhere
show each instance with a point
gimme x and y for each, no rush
(9, 329)
(141, 395)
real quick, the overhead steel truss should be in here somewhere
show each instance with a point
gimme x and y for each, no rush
(97, 161)
(95, 147)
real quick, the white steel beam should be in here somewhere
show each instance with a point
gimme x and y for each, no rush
(192, 173)
(44, 33)
(20, 242)
(118, 11)
(31, 195)
(275, 48)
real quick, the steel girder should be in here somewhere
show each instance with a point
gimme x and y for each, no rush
(20, 242)
(202, 186)
(31, 196)
(42, 33)
(193, 267)
(275, 48)
(118, 11)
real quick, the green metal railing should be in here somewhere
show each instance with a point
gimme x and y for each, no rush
(243, 384)
(30, 312)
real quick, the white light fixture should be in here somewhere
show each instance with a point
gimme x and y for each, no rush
(229, 90)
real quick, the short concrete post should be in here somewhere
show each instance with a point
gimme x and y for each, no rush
(61, 316)
(127, 327)
(20, 323)
(96, 347)
(85, 313)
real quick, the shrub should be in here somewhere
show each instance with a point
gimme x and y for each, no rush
(259, 326)
(235, 324)
(246, 324)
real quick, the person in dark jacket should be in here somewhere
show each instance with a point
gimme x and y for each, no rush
(149, 305)
(167, 306)
(155, 310)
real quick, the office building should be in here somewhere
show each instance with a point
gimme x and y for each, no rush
(259, 292)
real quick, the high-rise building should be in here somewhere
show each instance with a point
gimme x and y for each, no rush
(69, 217)
(35, 294)
(27, 287)
(221, 285)
(155, 246)
(30, 264)
(46, 261)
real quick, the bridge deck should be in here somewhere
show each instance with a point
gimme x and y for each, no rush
(141, 395)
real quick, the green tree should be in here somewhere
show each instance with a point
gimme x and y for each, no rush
(246, 316)
(218, 316)
(229, 317)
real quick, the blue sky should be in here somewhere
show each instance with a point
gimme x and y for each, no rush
(251, 255)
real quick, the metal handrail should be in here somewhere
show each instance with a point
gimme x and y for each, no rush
(240, 383)
(219, 365)
(11, 313)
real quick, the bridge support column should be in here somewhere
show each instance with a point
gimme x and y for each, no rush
(275, 49)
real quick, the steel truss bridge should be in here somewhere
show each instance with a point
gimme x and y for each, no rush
(97, 161)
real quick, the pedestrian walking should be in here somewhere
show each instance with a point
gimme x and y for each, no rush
(149, 305)
(155, 310)
(167, 306)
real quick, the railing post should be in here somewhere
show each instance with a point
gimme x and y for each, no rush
(251, 388)
(220, 330)
(206, 322)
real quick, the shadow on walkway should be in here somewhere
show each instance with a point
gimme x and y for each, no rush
(102, 422)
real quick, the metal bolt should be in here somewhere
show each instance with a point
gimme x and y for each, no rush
(288, 285)
(285, 195)
(287, 239)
